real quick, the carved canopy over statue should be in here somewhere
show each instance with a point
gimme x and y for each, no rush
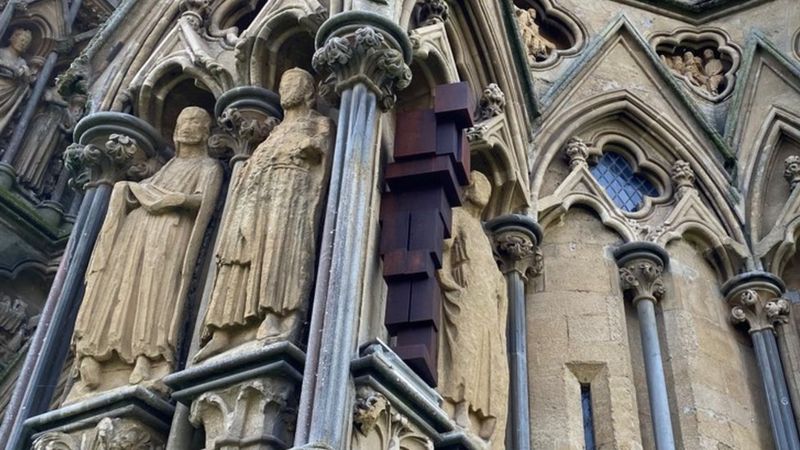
(473, 366)
(267, 244)
(15, 75)
(142, 265)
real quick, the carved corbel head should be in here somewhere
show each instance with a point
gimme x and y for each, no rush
(516, 241)
(755, 300)
(791, 170)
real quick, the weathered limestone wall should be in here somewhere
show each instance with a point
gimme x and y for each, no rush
(576, 335)
(716, 396)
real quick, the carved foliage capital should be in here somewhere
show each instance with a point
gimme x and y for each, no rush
(792, 170)
(108, 434)
(517, 251)
(682, 176)
(492, 103)
(243, 412)
(378, 425)
(642, 278)
(364, 56)
(760, 310)
(241, 133)
(433, 11)
(120, 158)
(577, 152)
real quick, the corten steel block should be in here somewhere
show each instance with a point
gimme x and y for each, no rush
(413, 303)
(418, 347)
(424, 183)
(418, 139)
(430, 173)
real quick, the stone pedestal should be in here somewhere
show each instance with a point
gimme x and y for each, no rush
(127, 418)
(395, 408)
(244, 400)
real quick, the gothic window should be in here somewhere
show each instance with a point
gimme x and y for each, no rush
(588, 420)
(625, 187)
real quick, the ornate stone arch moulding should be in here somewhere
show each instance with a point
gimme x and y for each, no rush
(715, 59)
(554, 34)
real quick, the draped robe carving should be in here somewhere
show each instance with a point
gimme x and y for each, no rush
(142, 265)
(473, 365)
(15, 76)
(265, 258)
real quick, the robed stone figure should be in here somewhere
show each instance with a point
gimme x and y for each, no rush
(267, 245)
(15, 75)
(139, 275)
(473, 364)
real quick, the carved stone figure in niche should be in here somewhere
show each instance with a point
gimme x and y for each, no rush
(16, 326)
(51, 131)
(537, 46)
(712, 67)
(15, 75)
(142, 264)
(473, 366)
(267, 244)
(707, 73)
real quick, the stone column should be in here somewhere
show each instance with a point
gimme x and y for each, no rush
(755, 302)
(640, 267)
(516, 241)
(110, 147)
(367, 57)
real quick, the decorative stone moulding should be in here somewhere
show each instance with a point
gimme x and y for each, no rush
(796, 44)
(705, 60)
(548, 32)
(694, 11)
(131, 417)
(244, 400)
(395, 409)
(246, 116)
(108, 143)
(755, 300)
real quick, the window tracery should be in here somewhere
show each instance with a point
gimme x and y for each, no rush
(622, 184)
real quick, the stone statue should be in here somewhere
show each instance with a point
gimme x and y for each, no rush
(473, 365)
(16, 327)
(15, 75)
(713, 71)
(693, 69)
(267, 243)
(51, 133)
(537, 46)
(139, 275)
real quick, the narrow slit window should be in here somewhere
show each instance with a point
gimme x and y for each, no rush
(588, 421)
(625, 187)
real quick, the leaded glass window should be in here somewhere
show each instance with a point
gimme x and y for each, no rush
(626, 188)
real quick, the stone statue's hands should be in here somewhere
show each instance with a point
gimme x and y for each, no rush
(168, 201)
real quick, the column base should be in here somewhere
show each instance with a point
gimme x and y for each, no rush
(132, 416)
(247, 400)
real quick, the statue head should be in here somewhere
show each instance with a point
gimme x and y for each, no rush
(296, 89)
(192, 128)
(20, 40)
(708, 53)
(688, 56)
(478, 192)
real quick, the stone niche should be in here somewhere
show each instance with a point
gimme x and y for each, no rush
(706, 61)
(548, 32)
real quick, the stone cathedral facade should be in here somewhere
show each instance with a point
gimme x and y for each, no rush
(400, 224)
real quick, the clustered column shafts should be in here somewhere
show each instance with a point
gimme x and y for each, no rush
(516, 240)
(367, 57)
(641, 265)
(755, 301)
(113, 146)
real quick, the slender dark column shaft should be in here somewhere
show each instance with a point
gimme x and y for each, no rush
(654, 371)
(784, 428)
(519, 411)
(6, 15)
(39, 389)
(37, 340)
